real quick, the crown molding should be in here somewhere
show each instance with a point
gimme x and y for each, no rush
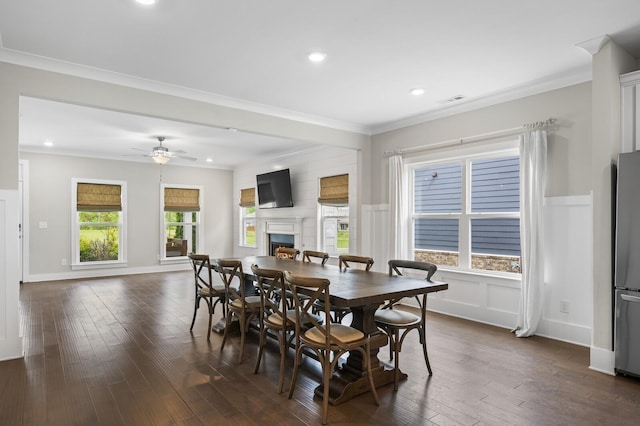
(594, 45)
(82, 71)
(576, 76)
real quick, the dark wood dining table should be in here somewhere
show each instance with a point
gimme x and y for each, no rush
(363, 292)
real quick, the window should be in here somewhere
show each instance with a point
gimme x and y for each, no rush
(466, 213)
(334, 214)
(182, 230)
(248, 217)
(98, 222)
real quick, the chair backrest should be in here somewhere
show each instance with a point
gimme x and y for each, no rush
(287, 253)
(201, 263)
(270, 283)
(314, 290)
(396, 264)
(345, 259)
(308, 254)
(229, 270)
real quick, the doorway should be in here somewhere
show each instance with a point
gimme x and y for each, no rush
(23, 219)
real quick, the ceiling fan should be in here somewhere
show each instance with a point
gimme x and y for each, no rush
(161, 154)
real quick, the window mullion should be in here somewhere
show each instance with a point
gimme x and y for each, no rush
(464, 236)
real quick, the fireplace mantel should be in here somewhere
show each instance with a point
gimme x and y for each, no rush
(279, 225)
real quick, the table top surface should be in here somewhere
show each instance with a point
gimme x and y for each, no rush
(350, 287)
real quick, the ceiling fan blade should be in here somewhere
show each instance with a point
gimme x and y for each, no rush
(179, 151)
(143, 150)
(184, 157)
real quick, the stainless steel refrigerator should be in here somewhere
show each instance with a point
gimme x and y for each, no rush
(627, 266)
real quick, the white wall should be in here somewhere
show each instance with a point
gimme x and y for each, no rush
(50, 202)
(494, 299)
(306, 169)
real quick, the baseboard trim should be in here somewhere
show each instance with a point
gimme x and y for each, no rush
(602, 360)
(96, 273)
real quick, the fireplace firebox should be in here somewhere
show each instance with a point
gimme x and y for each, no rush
(279, 240)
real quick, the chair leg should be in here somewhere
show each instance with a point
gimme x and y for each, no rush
(260, 347)
(283, 356)
(195, 311)
(396, 360)
(210, 306)
(423, 340)
(391, 344)
(227, 323)
(242, 318)
(371, 382)
(294, 377)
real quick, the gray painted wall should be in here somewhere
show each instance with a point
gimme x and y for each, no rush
(50, 202)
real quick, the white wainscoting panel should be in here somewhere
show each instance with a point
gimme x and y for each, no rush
(493, 299)
(568, 277)
(375, 235)
(10, 340)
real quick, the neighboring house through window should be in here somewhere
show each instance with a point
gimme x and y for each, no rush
(182, 230)
(334, 214)
(99, 231)
(248, 217)
(466, 212)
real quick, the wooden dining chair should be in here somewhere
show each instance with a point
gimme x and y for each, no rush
(239, 304)
(308, 255)
(345, 259)
(339, 312)
(327, 340)
(274, 315)
(287, 253)
(397, 323)
(205, 289)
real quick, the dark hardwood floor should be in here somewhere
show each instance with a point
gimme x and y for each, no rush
(118, 351)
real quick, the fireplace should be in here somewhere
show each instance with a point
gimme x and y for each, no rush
(279, 240)
(285, 232)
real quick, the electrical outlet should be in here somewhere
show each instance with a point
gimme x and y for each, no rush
(63, 262)
(564, 306)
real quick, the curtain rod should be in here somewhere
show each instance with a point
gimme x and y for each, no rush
(477, 138)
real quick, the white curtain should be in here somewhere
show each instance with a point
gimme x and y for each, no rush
(533, 165)
(397, 209)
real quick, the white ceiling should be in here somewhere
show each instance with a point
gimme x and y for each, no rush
(252, 54)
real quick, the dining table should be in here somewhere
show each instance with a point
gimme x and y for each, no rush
(363, 292)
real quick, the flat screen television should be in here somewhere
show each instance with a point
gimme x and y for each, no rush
(274, 189)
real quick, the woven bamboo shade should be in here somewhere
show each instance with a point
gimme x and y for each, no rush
(248, 197)
(181, 200)
(334, 190)
(93, 197)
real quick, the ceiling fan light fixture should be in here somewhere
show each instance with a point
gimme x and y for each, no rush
(161, 159)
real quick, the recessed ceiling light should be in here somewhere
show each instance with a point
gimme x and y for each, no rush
(317, 57)
(418, 91)
(48, 142)
(146, 2)
(209, 160)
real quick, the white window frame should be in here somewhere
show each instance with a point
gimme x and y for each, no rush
(322, 220)
(75, 227)
(163, 225)
(465, 215)
(244, 218)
